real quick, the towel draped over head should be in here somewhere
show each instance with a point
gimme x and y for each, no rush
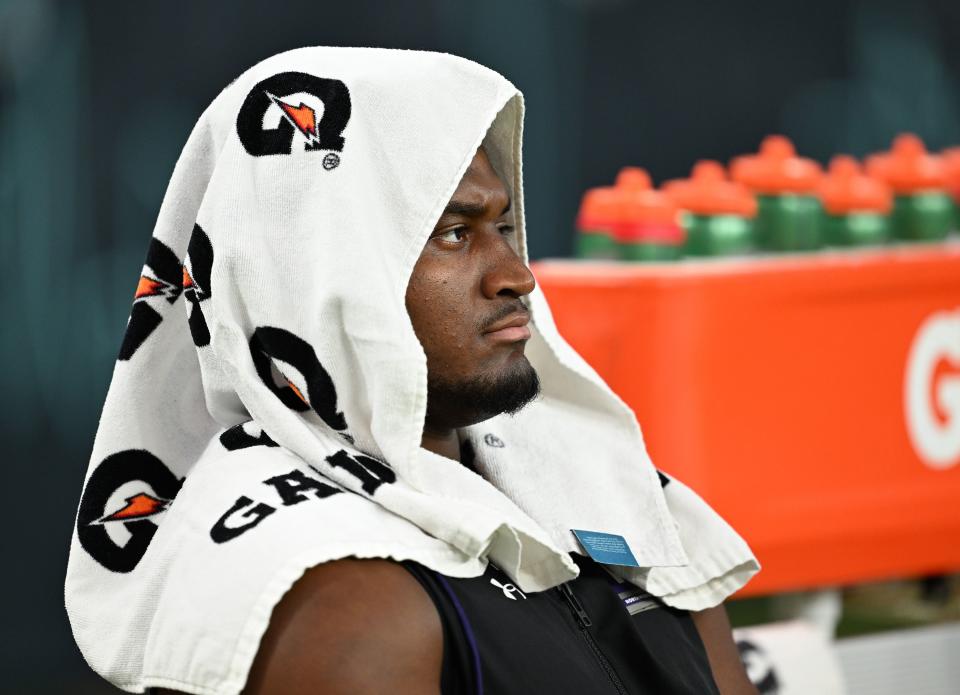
(267, 406)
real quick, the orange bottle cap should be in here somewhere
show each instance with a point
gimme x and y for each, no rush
(908, 167)
(634, 179)
(776, 169)
(641, 211)
(599, 208)
(709, 192)
(847, 189)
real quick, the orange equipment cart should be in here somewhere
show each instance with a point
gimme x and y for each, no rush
(812, 399)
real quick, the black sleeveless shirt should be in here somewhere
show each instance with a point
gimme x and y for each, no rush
(589, 636)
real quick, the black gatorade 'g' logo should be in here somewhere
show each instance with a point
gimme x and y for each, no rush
(162, 277)
(267, 344)
(196, 282)
(287, 91)
(133, 512)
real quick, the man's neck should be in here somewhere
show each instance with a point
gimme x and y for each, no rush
(444, 443)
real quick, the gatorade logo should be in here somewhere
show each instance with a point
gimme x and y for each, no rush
(932, 390)
(289, 367)
(120, 503)
(295, 107)
(196, 282)
(161, 279)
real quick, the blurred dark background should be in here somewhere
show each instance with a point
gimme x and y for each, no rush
(97, 99)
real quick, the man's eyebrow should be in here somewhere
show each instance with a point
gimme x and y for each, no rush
(468, 209)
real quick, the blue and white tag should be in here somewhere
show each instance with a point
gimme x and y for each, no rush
(606, 548)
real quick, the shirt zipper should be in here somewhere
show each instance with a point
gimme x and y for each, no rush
(583, 620)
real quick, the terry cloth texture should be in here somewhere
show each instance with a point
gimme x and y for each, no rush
(266, 410)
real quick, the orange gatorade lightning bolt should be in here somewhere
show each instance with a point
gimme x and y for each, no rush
(149, 287)
(303, 117)
(296, 390)
(137, 507)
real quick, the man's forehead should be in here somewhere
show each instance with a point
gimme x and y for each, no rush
(480, 174)
(479, 165)
(476, 200)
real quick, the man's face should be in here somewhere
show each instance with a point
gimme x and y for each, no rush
(464, 302)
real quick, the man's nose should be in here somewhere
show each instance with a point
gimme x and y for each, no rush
(506, 273)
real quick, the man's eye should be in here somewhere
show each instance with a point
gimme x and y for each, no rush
(454, 236)
(506, 229)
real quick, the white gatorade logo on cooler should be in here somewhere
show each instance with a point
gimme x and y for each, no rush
(932, 390)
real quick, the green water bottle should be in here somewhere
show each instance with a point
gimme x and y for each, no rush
(789, 216)
(922, 207)
(597, 219)
(718, 214)
(648, 227)
(595, 224)
(856, 207)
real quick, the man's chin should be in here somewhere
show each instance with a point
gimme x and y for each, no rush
(474, 400)
(518, 386)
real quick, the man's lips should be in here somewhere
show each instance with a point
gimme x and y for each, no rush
(511, 329)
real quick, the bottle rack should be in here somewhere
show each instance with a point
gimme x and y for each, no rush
(812, 399)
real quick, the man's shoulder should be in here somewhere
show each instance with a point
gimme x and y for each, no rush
(351, 626)
(354, 626)
(241, 532)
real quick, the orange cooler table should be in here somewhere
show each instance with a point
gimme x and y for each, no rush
(813, 400)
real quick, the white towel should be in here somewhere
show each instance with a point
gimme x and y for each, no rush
(266, 411)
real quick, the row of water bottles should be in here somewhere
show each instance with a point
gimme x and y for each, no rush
(775, 201)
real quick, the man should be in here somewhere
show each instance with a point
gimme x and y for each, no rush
(252, 578)
(464, 299)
